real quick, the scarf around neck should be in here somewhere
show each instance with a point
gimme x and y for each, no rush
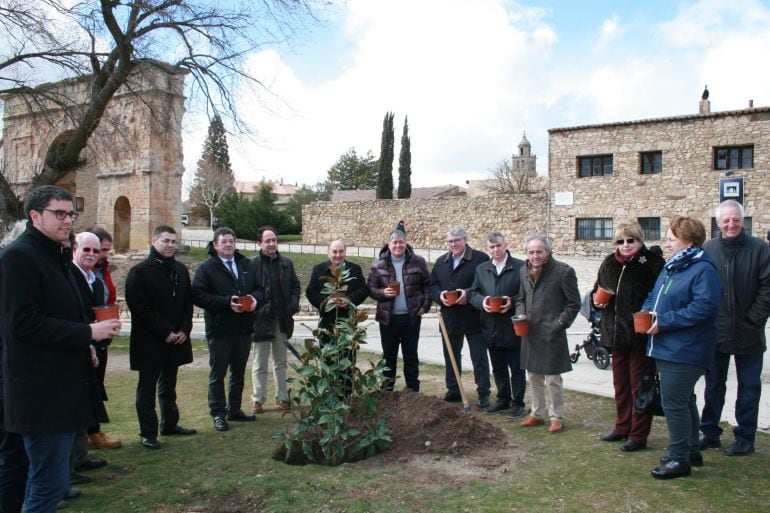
(684, 259)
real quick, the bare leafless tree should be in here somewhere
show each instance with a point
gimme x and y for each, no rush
(503, 179)
(107, 40)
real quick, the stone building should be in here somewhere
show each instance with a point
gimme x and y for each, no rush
(653, 169)
(523, 174)
(131, 179)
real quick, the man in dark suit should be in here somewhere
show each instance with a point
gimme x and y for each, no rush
(454, 271)
(46, 345)
(218, 284)
(159, 297)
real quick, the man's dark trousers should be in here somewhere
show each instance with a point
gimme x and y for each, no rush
(227, 351)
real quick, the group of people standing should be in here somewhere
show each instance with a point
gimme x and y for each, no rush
(710, 301)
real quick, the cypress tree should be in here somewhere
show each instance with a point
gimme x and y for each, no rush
(385, 170)
(405, 164)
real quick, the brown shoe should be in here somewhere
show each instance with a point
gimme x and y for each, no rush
(101, 441)
(532, 422)
(256, 407)
(283, 405)
(556, 427)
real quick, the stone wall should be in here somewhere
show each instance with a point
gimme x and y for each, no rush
(687, 185)
(368, 223)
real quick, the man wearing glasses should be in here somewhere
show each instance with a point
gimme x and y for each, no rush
(46, 345)
(454, 271)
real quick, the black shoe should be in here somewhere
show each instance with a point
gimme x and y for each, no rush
(150, 442)
(482, 402)
(220, 424)
(498, 407)
(76, 479)
(72, 493)
(672, 470)
(91, 464)
(453, 397)
(696, 459)
(516, 412)
(178, 430)
(241, 417)
(612, 436)
(632, 446)
(709, 443)
(740, 448)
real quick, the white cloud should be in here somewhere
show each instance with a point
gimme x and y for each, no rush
(610, 31)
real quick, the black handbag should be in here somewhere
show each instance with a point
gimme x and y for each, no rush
(648, 396)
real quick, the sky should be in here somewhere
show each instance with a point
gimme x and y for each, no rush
(473, 76)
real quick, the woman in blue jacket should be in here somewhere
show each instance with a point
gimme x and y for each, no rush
(682, 339)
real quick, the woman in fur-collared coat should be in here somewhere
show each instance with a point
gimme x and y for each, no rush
(630, 271)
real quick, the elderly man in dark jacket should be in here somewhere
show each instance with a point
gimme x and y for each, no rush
(550, 299)
(399, 281)
(454, 271)
(159, 297)
(228, 291)
(499, 277)
(46, 350)
(743, 263)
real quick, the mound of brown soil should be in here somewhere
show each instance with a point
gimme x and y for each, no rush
(421, 424)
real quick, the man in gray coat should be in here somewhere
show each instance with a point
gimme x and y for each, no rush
(550, 299)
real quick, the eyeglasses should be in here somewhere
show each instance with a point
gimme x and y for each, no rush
(620, 242)
(95, 251)
(453, 241)
(61, 214)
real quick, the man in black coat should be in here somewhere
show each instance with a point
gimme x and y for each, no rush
(454, 271)
(499, 277)
(218, 284)
(46, 353)
(159, 297)
(743, 263)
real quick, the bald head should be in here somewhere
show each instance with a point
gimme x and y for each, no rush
(337, 252)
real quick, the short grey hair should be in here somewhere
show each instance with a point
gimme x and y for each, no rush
(396, 234)
(729, 203)
(82, 237)
(495, 237)
(541, 238)
(457, 231)
(345, 246)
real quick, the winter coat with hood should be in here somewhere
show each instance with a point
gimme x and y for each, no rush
(213, 288)
(551, 301)
(686, 300)
(743, 263)
(631, 280)
(415, 285)
(497, 328)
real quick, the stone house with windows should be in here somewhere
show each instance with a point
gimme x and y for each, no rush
(653, 169)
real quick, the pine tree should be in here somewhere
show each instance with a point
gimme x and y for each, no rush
(385, 171)
(405, 164)
(214, 177)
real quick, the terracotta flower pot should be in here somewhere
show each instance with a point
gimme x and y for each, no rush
(496, 303)
(602, 296)
(245, 302)
(395, 286)
(520, 325)
(102, 313)
(642, 321)
(452, 296)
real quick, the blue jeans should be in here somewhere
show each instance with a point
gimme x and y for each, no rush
(677, 391)
(748, 368)
(478, 351)
(49, 470)
(401, 331)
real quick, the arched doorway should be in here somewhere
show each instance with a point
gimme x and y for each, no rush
(122, 229)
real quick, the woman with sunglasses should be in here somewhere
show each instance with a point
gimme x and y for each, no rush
(629, 272)
(685, 302)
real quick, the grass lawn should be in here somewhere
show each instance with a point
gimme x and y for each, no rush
(568, 472)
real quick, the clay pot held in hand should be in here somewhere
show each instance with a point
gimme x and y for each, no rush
(520, 325)
(451, 296)
(102, 313)
(602, 296)
(245, 302)
(496, 304)
(395, 286)
(642, 321)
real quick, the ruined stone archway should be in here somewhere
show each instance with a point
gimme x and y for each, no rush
(122, 228)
